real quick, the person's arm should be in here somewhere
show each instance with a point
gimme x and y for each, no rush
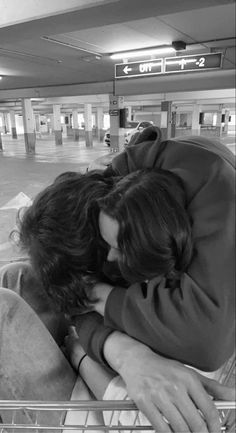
(94, 374)
(165, 388)
(156, 384)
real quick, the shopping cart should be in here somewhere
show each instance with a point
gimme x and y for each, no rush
(35, 408)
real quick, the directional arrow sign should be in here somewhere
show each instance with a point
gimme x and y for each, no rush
(137, 69)
(127, 69)
(192, 63)
(199, 62)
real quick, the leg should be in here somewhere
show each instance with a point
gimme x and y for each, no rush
(32, 366)
(20, 278)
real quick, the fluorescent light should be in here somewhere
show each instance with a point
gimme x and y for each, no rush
(142, 53)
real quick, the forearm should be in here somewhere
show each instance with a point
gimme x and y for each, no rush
(89, 371)
(170, 321)
(119, 349)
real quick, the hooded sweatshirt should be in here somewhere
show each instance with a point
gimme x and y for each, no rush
(194, 320)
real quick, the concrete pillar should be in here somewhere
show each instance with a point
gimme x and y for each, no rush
(57, 124)
(116, 103)
(166, 119)
(75, 124)
(37, 122)
(13, 124)
(226, 122)
(129, 113)
(29, 126)
(5, 123)
(99, 123)
(1, 125)
(88, 125)
(173, 124)
(219, 123)
(196, 127)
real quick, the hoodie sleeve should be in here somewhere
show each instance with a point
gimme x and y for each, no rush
(194, 321)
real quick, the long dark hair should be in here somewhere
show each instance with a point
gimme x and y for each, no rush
(60, 233)
(154, 228)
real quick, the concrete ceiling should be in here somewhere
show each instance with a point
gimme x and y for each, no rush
(62, 48)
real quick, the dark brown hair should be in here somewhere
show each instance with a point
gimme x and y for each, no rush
(60, 233)
(154, 228)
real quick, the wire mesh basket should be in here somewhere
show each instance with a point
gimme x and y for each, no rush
(38, 416)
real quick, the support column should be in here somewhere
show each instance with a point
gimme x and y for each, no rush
(68, 125)
(129, 113)
(29, 126)
(219, 123)
(57, 124)
(37, 122)
(88, 125)
(226, 122)
(13, 124)
(196, 127)
(6, 123)
(75, 124)
(1, 124)
(116, 103)
(99, 123)
(166, 119)
(173, 124)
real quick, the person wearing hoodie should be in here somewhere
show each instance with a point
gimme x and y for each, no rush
(203, 296)
(194, 320)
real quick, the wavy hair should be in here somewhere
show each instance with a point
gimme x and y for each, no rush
(154, 235)
(60, 233)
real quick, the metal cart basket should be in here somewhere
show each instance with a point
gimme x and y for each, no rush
(35, 408)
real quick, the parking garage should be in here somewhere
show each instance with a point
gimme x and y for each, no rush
(78, 80)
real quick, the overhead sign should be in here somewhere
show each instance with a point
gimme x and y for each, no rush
(192, 63)
(135, 69)
(169, 65)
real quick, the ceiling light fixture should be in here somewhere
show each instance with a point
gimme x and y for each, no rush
(69, 45)
(143, 53)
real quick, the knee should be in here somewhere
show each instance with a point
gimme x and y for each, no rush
(9, 303)
(10, 274)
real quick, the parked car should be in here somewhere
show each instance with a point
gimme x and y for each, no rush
(139, 127)
(130, 126)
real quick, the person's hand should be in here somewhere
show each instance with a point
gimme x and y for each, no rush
(101, 291)
(161, 387)
(173, 397)
(73, 347)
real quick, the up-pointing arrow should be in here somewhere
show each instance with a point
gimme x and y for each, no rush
(127, 69)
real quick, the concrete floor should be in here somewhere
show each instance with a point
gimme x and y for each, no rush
(30, 174)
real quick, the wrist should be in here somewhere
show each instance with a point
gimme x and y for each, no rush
(80, 362)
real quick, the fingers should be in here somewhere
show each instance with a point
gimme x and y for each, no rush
(72, 331)
(204, 403)
(193, 417)
(175, 418)
(218, 391)
(154, 416)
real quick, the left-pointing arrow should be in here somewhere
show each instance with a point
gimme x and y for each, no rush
(127, 69)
